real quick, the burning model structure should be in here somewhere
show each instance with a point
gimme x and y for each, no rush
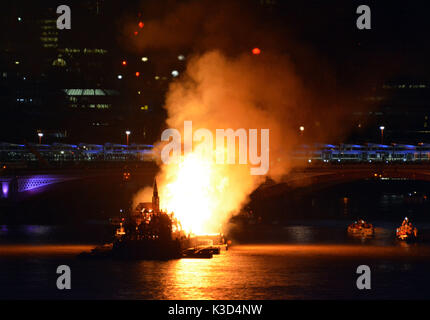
(147, 221)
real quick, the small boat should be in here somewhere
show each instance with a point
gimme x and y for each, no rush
(201, 253)
(407, 232)
(210, 249)
(100, 252)
(361, 228)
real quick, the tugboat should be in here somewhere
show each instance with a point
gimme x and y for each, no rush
(407, 232)
(361, 228)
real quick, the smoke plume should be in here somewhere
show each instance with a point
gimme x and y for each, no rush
(223, 88)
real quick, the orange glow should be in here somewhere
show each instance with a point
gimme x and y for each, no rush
(137, 73)
(124, 63)
(141, 24)
(201, 193)
(256, 51)
(126, 175)
(135, 33)
(191, 180)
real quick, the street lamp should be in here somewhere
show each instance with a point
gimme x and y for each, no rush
(301, 128)
(128, 134)
(382, 134)
(40, 135)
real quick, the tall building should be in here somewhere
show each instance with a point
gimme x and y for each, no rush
(401, 107)
(76, 85)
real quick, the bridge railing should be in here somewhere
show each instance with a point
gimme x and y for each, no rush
(86, 153)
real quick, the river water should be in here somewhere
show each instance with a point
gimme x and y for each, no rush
(307, 256)
(302, 270)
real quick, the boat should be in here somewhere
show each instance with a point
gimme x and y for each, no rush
(146, 249)
(200, 253)
(99, 252)
(361, 228)
(149, 233)
(407, 232)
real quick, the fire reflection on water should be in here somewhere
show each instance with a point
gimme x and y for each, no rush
(283, 271)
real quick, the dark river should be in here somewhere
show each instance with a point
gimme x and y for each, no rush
(306, 255)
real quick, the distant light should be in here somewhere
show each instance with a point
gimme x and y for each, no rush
(119, 77)
(40, 134)
(302, 128)
(19, 19)
(156, 77)
(144, 59)
(309, 160)
(181, 57)
(137, 73)
(138, 92)
(144, 108)
(124, 63)
(127, 132)
(381, 127)
(175, 73)
(62, 152)
(5, 188)
(256, 51)
(16, 62)
(136, 33)
(140, 24)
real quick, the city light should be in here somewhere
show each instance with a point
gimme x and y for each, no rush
(141, 24)
(144, 59)
(124, 62)
(181, 57)
(382, 134)
(119, 77)
(175, 73)
(137, 73)
(256, 51)
(40, 135)
(128, 132)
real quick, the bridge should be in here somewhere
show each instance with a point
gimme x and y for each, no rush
(27, 182)
(321, 176)
(17, 184)
(58, 154)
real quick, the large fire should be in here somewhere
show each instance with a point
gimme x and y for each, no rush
(201, 193)
(193, 191)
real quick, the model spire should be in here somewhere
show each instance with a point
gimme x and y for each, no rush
(155, 198)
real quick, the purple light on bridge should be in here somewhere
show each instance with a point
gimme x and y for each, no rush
(5, 188)
(36, 182)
